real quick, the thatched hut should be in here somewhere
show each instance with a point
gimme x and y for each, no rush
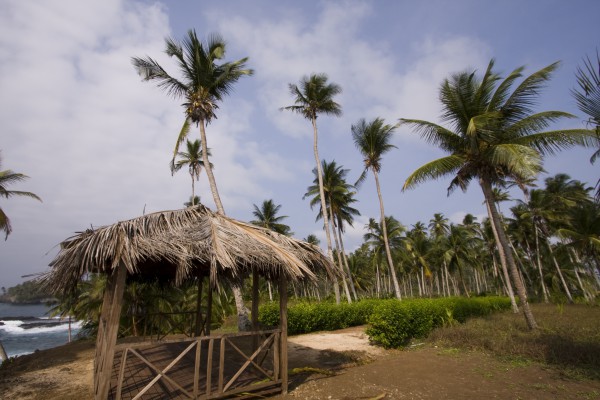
(175, 247)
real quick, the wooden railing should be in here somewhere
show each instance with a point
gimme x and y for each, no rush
(207, 367)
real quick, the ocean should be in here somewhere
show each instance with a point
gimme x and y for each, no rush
(27, 328)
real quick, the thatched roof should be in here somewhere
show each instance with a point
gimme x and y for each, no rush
(178, 245)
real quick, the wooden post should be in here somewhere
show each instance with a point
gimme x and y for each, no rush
(3, 355)
(208, 308)
(108, 328)
(198, 328)
(255, 301)
(283, 324)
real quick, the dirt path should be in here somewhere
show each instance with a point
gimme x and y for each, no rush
(332, 365)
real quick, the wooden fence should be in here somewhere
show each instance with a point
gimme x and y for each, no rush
(209, 367)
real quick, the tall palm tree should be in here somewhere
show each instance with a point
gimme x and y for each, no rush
(193, 159)
(8, 177)
(494, 135)
(373, 140)
(204, 83)
(312, 97)
(266, 216)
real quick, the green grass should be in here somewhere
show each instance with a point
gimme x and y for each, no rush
(568, 338)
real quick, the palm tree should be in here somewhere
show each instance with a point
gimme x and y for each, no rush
(312, 239)
(588, 98)
(193, 159)
(192, 201)
(338, 197)
(373, 140)
(266, 216)
(203, 85)
(375, 238)
(8, 177)
(494, 135)
(315, 96)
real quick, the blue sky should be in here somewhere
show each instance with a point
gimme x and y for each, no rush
(96, 141)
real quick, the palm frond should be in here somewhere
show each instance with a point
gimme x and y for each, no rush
(434, 170)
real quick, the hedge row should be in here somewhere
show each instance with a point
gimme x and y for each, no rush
(392, 323)
(313, 317)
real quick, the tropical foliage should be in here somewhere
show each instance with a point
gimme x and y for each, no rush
(7, 178)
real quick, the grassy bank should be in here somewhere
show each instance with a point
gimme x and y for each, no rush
(568, 337)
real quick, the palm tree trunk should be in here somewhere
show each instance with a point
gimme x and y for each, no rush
(539, 262)
(562, 278)
(388, 252)
(193, 191)
(352, 287)
(509, 288)
(339, 257)
(505, 252)
(336, 287)
(242, 311)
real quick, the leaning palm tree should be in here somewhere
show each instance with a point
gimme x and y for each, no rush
(203, 85)
(373, 140)
(193, 159)
(8, 177)
(312, 97)
(494, 136)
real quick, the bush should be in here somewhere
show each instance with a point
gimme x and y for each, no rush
(394, 323)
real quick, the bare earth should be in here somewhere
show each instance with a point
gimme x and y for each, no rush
(331, 365)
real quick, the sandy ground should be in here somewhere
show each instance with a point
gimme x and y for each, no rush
(331, 365)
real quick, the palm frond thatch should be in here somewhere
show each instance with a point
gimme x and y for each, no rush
(181, 244)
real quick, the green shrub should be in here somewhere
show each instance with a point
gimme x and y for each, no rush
(394, 323)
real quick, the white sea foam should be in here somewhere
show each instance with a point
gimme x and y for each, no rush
(16, 327)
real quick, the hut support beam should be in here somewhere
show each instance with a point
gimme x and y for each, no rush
(255, 301)
(283, 322)
(199, 324)
(108, 329)
(208, 307)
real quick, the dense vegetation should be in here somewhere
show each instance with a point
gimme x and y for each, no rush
(28, 292)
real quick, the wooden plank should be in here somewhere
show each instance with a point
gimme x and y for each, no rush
(221, 364)
(198, 329)
(208, 308)
(276, 358)
(197, 367)
(209, 365)
(113, 295)
(121, 374)
(283, 297)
